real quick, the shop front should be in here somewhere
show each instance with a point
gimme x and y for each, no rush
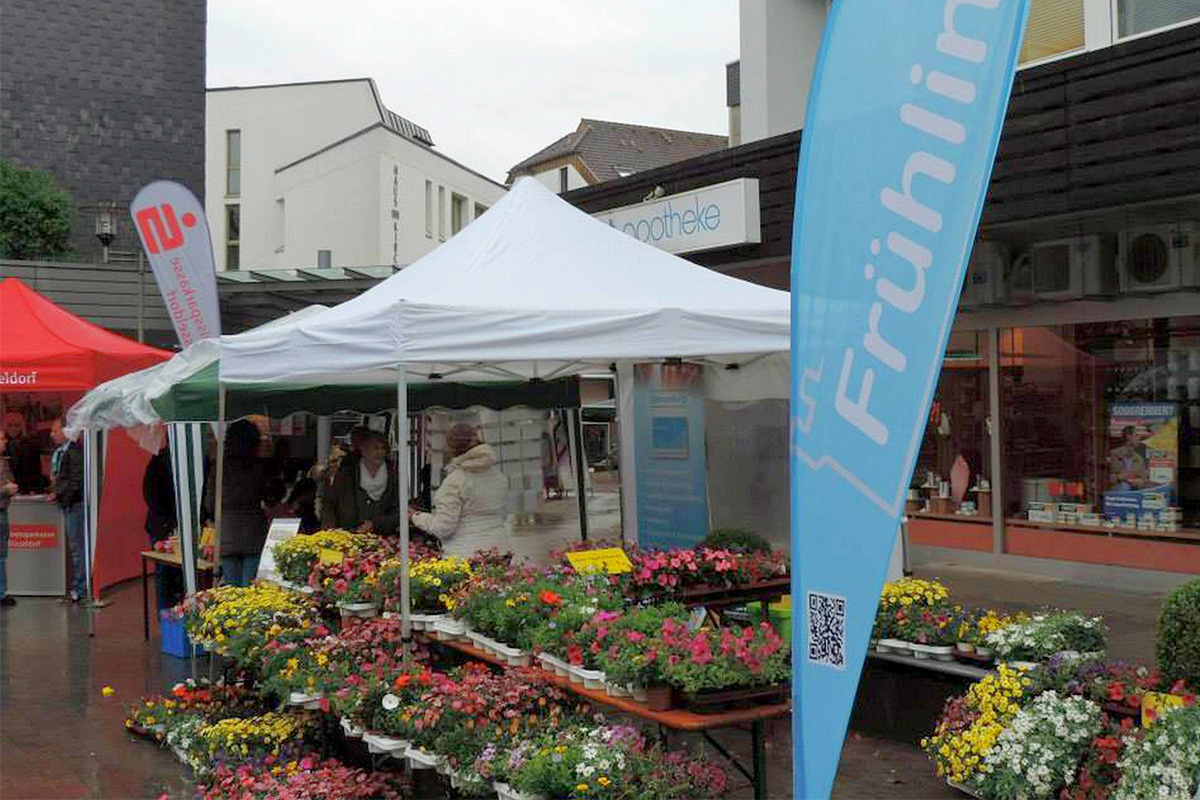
(1066, 422)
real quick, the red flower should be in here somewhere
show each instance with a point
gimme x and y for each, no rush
(550, 598)
(1116, 692)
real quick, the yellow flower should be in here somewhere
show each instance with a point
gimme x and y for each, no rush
(603, 780)
(109, 691)
(583, 787)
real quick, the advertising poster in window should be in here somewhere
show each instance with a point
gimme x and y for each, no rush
(672, 482)
(1143, 461)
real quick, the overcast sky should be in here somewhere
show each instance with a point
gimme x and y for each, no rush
(493, 81)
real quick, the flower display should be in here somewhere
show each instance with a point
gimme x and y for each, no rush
(678, 569)
(432, 582)
(236, 621)
(913, 591)
(240, 740)
(1043, 635)
(295, 557)
(728, 658)
(1039, 752)
(971, 725)
(303, 778)
(1165, 761)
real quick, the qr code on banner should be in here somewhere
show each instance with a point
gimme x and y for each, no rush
(827, 630)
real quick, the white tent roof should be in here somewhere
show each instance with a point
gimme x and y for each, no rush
(533, 288)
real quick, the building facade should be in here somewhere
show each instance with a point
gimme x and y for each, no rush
(87, 101)
(1065, 433)
(323, 175)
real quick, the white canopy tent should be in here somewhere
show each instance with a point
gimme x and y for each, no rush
(535, 288)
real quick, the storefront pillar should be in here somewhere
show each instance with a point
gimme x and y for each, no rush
(993, 340)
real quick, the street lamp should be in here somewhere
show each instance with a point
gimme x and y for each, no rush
(106, 226)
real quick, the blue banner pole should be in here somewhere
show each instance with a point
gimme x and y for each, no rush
(903, 123)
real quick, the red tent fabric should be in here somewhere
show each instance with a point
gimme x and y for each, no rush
(45, 348)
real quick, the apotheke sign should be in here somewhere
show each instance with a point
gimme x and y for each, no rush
(722, 215)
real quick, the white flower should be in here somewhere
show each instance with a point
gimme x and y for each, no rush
(391, 702)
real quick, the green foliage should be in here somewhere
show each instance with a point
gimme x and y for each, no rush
(1177, 640)
(35, 215)
(738, 540)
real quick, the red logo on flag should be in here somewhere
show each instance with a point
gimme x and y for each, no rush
(160, 229)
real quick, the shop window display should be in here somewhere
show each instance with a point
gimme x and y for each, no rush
(952, 476)
(1101, 424)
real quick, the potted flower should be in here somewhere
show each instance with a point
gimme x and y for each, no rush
(628, 652)
(715, 669)
(934, 632)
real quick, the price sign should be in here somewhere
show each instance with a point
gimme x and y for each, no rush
(281, 529)
(1156, 704)
(610, 559)
(328, 556)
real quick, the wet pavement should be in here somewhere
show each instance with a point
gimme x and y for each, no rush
(60, 738)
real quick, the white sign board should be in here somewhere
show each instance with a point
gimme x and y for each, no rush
(281, 530)
(722, 215)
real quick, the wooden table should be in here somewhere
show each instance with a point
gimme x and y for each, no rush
(676, 719)
(171, 560)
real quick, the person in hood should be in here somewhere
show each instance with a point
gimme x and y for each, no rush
(468, 508)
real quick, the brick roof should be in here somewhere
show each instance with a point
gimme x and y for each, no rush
(611, 148)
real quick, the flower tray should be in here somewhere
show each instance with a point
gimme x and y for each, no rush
(484, 643)
(898, 646)
(378, 743)
(613, 690)
(519, 658)
(932, 652)
(721, 596)
(138, 730)
(960, 788)
(451, 630)
(419, 760)
(506, 792)
(591, 678)
(974, 658)
(362, 610)
(713, 701)
(351, 730)
(639, 694)
(423, 622)
(309, 701)
(554, 664)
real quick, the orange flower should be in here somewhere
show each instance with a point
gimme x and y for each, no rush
(550, 598)
(403, 680)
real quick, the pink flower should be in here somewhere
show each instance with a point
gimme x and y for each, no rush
(635, 636)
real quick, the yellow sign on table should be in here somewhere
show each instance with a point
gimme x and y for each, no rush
(1156, 704)
(612, 560)
(330, 556)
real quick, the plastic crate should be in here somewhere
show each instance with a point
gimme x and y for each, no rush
(174, 637)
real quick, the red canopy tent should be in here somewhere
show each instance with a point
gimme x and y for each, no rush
(47, 349)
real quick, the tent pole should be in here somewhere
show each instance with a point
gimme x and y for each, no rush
(402, 480)
(575, 437)
(627, 438)
(218, 490)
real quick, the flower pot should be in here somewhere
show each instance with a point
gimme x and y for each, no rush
(351, 730)
(573, 674)
(442, 767)
(450, 630)
(982, 651)
(421, 622)
(639, 693)
(501, 789)
(507, 792)
(1025, 665)
(391, 745)
(713, 701)
(361, 610)
(967, 648)
(659, 698)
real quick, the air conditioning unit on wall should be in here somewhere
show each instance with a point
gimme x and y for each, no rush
(985, 271)
(1160, 258)
(1065, 269)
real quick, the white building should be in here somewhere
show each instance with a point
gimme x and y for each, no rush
(324, 175)
(779, 40)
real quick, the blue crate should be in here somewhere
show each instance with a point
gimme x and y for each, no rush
(174, 638)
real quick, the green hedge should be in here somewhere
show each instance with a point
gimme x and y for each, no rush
(1177, 640)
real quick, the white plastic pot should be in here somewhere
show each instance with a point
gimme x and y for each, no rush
(615, 690)
(419, 760)
(933, 652)
(574, 674)
(449, 629)
(592, 678)
(513, 656)
(554, 664)
(305, 700)
(422, 622)
(639, 694)
(898, 646)
(363, 610)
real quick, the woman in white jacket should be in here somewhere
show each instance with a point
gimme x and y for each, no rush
(468, 508)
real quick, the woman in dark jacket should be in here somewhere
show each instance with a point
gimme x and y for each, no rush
(243, 523)
(365, 496)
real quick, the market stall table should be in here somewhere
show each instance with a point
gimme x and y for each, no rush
(675, 719)
(170, 559)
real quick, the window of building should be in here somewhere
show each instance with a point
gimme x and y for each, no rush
(480, 208)
(953, 472)
(429, 208)
(1055, 27)
(233, 163)
(233, 236)
(1140, 16)
(442, 213)
(563, 179)
(1103, 420)
(458, 213)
